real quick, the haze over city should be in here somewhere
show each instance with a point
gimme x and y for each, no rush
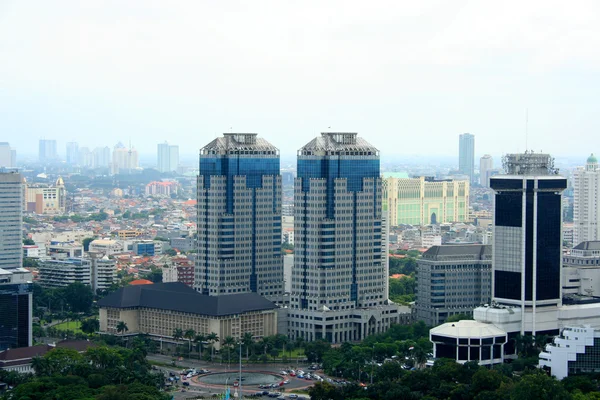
(409, 76)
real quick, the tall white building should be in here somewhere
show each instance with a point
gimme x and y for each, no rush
(586, 207)
(7, 156)
(168, 157)
(72, 153)
(101, 157)
(47, 150)
(11, 220)
(124, 160)
(466, 155)
(486, 165)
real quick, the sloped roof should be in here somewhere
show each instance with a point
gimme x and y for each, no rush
(141, 282)
(477, 250)
(176, 296)
(591, 245)
(339, 141)
(467, 328)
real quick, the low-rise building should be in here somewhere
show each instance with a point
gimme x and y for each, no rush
(106, 246)
(160, 308)
(46, 199)
(575, 351)
(99, 273)
(20, 359)
(129, 233)
(65, 249)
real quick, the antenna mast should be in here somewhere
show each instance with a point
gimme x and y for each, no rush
(526, 127)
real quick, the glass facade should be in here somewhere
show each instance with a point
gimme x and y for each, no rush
(14, 315)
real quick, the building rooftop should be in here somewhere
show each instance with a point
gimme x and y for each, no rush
(590, 245)
(338, 143)
(467, 328)
(479, 251)
(236, 143)
(176, 296)
(592, 159)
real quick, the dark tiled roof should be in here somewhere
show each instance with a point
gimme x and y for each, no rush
(591, 245)
(79, 345)
(22, 353)
(477, 250)
(176, 296)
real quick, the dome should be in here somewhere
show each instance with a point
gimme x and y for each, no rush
(60, 182)
(592, 159)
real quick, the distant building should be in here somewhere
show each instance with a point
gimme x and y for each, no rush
(46, 199)
(486, 166)
(168, 157)
(72, 153)
(85, 157)
(11, 220)
(581, 270)
(157, 309)
(162, 188)
(183, 243)
(47, 151)
(101, 158)
(63, 272)
(129, 233)
(16, 308)
(586, 208)
(424, 200)
(452, 279)
(145, 247)
(575, 351)
(20, 359)
(8, 156)
(124, 160)
(466, 155)
(62, 250)
(106, 246)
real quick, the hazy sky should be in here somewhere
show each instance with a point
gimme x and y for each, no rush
(408, 76)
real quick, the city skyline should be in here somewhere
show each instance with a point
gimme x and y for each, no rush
(455, 67)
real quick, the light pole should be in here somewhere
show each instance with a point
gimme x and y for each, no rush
(240, 385)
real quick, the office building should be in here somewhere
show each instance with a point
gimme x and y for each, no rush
(581, 270)
(339, 275)
(168, 157)
(11, 220)
(424, 200)
(466, 155)
(98, 272)
(86, 158)
(106, 247)
(486, 166)
(576, 351)
(124, 160)
(586, 208)
(157, 309)
(72, 153)
(47, 151)
(451, 280)
(239, 217)
(8, 156)
(15, 308)
(102, 158)
(157, 188)
(46, 199)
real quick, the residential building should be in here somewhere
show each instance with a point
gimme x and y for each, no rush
(129, 233)
(239, 217)
(162, 188)
(466, 155)
(106, 246)
(179, 271)
(86, 158)
(467, 340)
(47, 150)
(168, 157)
(586, 207)
(61, 250)
(8, 156)
(575, 351)
(451, 280)
(339, 275)
(11, 220)
(99, 272)
(183, 243)
(46, 199)
(101, 158)
(72, 153)
(124, 160)
(15, 308)
(486, 166)
(424, 200)
(157, 309)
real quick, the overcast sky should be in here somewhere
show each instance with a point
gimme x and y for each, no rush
(408, 76)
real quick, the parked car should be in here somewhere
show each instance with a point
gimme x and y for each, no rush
(186, 384)
(293, 396)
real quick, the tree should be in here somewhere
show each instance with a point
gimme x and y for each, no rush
(199, 340)
(212, 338)
(177, 334)
(170, 252)
(90, 325)
(28, 242)
(189, 335)
(228, 343)
(538, 386)
(79, 297)
(122, 327)
(247, 341)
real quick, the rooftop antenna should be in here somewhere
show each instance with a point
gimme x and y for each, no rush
(526, 127)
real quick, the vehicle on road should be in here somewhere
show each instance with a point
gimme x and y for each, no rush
(293, 396)
(186, 384)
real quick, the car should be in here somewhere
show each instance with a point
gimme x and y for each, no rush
(293, 396)
(281, 398)
(286, 382)
(274, 385)
(292, 374)
(265, 393)
(258, 394)
(186, 384)
(171, 374)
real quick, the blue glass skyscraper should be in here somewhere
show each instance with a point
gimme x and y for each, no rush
(239, 217)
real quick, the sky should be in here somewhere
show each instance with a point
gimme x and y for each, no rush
(408, 76)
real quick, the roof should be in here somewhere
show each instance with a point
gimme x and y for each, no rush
(467, 328)
(239, 142)
(338, 141)
(176, 296)
(23, 353)
(480, 251)
(592, 159)
(141, 282)
(590, 245)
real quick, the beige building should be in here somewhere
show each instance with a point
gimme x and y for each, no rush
(161, 308)
(124, 160)
(424, 201)
(46, 199)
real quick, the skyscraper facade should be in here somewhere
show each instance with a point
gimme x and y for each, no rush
(15, 308)
(586, 208)
(466, 155)
(124, 160)
(7, 156)
(486, 165)
(47, 150)
(11, 220)
(239, 217)
(527, 234)
(339, 275)
(72, 153)
(168, 157)
(101, 157)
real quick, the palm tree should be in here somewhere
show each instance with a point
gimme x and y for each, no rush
(199, 339)
(189, 335)
(177, 334)
(228, 342)
(122, 327)
(247, 341)
(212, 338)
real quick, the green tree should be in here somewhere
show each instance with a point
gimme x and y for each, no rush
(538, 386)
(177, 334)
(189, 334)
(122, 327)
(247, 342)
(79, 297)
(212, 338)
(28, 242)
(90, 325)
(228, 343)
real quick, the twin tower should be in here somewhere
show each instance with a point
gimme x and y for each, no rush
(339, 276)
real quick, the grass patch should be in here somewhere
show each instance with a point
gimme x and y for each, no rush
(74, 326)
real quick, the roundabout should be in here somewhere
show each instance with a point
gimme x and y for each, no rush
(248, 378)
